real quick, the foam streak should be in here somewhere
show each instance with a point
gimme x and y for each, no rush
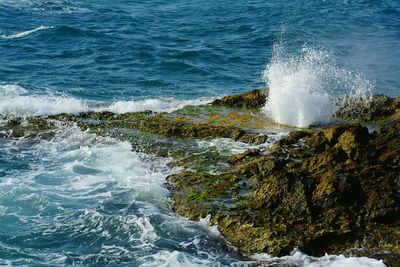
(25, 33)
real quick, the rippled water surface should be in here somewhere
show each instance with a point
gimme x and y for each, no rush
(80, 199)
(186, 49)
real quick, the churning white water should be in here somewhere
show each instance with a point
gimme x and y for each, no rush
(303, 90)
(15, 100)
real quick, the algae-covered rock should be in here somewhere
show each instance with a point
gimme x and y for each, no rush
(321, 191)
(166, 125)
(27, 128)
(252, 99)
(332, 190)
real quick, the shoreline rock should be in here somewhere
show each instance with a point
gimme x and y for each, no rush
(332, 189)
(326, 192)
(252, 99)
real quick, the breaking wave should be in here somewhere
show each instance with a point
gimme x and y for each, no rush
(158, 105)
(24, 33)
(15, 100)
(304, 90)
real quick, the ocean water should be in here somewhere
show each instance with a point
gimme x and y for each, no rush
(79, 199)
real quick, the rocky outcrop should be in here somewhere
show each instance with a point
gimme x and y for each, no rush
(333, 189)
(373, 108)
(164, 125)
(330, 191)
(377, 107)
(252, 99)
(29, 128)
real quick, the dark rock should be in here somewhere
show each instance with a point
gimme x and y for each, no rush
(293, 137)
(323, 195)
(169, 126)
(377, 107)
(353, 140)
(27, 127)
(240, 157)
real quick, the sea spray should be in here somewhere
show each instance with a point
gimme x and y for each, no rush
(304, 90)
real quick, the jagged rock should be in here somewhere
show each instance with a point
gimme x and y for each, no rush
(239, 157)
(353, 140)
(377, 107)
(321, 191)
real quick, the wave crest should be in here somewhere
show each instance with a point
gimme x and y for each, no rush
(15, 100)
(24, 33)
(157, 105)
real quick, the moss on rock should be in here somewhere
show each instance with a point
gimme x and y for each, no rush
(251, 99)
(322, 192)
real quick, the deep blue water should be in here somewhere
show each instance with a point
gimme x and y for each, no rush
(187, 49)
(85, 200)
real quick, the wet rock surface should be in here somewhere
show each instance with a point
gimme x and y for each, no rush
(252, 99)
(378, 107)
(325, 192)
(34, 127)
(333, 189)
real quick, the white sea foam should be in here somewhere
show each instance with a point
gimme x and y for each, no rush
(40, 105)
(303, 89)
(74, 184)
(15, 100)
(158, 105)
(298, 258)
(54, 177)
(175, 259)
(227, 146)
(24, 33)
(60, 200)
(11, 90)
(106, 160)
(206, 222)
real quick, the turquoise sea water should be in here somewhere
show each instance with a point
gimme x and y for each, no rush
(90, 201)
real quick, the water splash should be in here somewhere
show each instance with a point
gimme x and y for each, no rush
(304, 89)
